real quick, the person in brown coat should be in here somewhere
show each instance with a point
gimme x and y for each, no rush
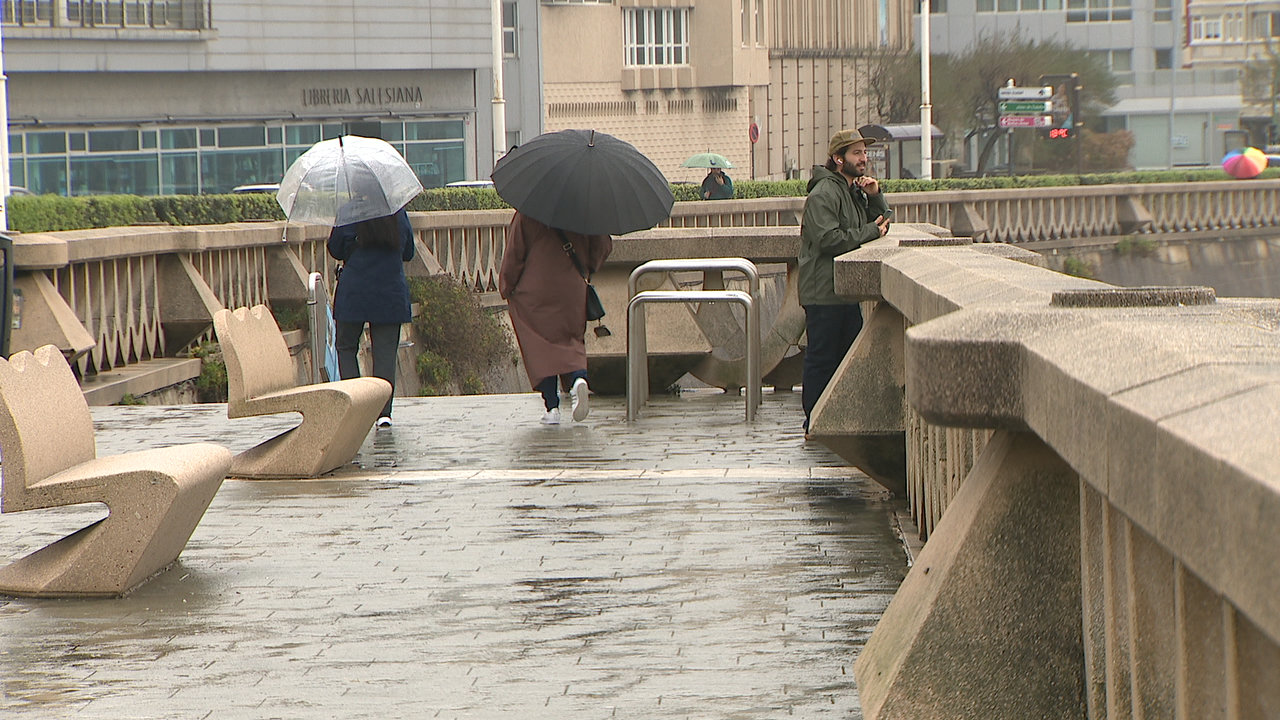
(547, 299)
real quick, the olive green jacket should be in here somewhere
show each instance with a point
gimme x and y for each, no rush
(838, 218)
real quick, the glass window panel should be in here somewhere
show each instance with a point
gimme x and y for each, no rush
(47, 176)
(392, 131)
(179, 174)
(112, 141)
(302, 134)
(1121, 60)
(1007, 5)
(1030, 4)
(331, 131)
(275, 135)
(77, 142)
(176, 139)
(17, 172)
(439, 130)
(437, 163)
(1052, 4)
(224, 169)
(232, 137)
(208, 137)
(46, 143)
(1164, 58)
(15, 143)
(986, 5)
(115, 174)
(148, 139)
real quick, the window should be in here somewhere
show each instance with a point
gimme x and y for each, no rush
(1099, 10)
(1273, 27)
(1163, 10)
(1164, 58)
(657, 36)
(577, 2)
(1121, 61)
(745, 19)
(940, 6)
(509, 47)
(1206, 29)
(760, 23)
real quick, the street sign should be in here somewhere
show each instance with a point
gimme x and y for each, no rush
(1026, 121)
(1037, 107)
(1026, 93)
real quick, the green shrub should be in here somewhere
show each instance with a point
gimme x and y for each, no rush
(461, 341)
(1076, 266)
(212, 382)
(1133, 245)
(288, 318)
(131, 399)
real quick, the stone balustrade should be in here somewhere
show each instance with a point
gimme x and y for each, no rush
(1099, 471)
(113, 298)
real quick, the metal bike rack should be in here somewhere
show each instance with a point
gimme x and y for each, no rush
(742, 265)
(317, 301)
(637, 342)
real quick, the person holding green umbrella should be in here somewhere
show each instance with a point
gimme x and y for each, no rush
(716, 185)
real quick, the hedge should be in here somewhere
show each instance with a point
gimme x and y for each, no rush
(50, 213)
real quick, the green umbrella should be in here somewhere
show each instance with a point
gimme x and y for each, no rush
(707, 160)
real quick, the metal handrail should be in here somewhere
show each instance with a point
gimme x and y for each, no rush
(742, 265)
(637, 342)
(317, 310)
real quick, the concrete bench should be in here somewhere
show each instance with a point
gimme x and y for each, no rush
(336, 416)
(155, 497)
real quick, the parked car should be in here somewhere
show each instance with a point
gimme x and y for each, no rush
(471, 184)
(272, 188)
(19, 190)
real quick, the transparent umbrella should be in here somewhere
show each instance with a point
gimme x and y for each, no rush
(346, 180)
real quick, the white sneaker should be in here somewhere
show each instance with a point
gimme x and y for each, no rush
(581, 402)
(551, 417)
(383, 421)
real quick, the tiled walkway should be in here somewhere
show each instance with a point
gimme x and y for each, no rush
(475, 564)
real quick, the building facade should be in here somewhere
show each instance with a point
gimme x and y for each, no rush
(763, 82)
(1181, 114)
(199, 96)
(1241, 36)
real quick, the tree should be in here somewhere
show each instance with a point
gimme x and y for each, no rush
(965, 85)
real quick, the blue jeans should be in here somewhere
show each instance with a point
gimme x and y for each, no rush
(547, 386)
(384, 340)
(831, 330)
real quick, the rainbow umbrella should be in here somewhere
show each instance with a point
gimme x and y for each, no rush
(1245, 163)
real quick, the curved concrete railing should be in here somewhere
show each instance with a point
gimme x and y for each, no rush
(1100, 471)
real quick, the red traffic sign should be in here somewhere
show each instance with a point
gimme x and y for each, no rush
(1026, 121)
(753, 133)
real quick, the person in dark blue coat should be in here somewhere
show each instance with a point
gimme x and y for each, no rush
(372, 290)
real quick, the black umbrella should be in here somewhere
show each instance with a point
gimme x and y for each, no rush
(584, 181)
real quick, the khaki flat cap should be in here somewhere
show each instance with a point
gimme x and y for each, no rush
(844, 139)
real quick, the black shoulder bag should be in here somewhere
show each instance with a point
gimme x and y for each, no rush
(595, 308)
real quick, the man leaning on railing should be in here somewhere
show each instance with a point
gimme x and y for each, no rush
(845, 209)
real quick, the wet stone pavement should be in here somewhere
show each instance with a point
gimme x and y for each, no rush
(475, 564)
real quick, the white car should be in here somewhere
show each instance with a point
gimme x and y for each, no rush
(272, 188)
(471, 184)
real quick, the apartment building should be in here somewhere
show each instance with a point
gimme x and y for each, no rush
(763, 82)
(199, 96)
(1244, 37)
(1182, 113)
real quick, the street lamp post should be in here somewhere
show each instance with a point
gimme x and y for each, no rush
(926, 106)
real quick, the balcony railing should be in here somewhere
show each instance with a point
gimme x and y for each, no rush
(160, 14)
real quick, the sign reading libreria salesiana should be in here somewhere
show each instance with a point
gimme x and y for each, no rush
(362, 96)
